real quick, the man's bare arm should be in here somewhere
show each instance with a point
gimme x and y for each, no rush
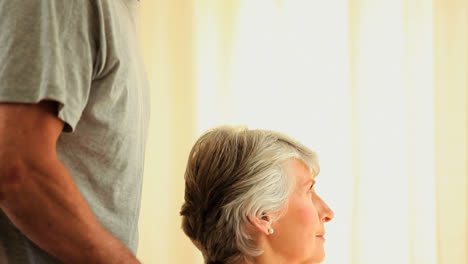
(39, 195)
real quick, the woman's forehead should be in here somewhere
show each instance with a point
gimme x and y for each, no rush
(301, 172)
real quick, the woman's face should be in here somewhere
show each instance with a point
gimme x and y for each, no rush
(299, 235)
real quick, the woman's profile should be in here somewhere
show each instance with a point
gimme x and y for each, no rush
(250, 198)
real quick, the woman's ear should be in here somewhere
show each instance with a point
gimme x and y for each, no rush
(262, 223)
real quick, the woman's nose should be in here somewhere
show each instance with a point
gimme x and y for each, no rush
(328, 218)
(327, 214)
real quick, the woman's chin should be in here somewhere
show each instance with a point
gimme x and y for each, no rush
(319, 256)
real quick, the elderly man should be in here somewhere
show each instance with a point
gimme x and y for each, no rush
(73, 120)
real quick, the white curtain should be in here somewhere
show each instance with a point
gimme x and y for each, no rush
(378, 88)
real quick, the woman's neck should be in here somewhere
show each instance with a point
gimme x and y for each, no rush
(269, 256)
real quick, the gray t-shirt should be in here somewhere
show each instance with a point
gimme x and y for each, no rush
(83, 54)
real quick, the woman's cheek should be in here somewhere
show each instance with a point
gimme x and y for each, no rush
(308, 213)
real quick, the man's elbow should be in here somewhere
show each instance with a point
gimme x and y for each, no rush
(12, 175)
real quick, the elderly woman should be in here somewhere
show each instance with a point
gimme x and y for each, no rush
(250, 198)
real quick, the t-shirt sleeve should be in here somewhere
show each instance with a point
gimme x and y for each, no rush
(46, 53)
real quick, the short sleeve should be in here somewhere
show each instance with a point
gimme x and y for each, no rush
(46, 53)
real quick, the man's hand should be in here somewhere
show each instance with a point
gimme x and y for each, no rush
(39, 195)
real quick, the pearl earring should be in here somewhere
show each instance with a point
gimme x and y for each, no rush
(271, 231)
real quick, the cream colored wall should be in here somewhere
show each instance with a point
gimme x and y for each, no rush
(153, 245)
(166, 33)
(451, 130)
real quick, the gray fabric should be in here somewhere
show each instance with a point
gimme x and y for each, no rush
(83, 54)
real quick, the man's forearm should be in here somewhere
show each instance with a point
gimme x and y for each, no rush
(42, 200)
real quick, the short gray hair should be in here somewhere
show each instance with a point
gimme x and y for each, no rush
(233, 174)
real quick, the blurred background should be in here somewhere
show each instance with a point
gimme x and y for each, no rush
(378, 88)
